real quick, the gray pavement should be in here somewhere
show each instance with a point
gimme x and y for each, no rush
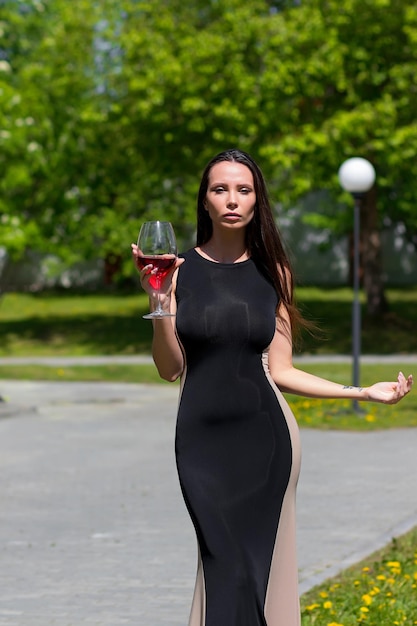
(93, 529)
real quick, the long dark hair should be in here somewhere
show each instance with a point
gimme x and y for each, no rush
(263, 240)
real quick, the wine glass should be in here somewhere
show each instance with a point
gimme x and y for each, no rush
(157, 246)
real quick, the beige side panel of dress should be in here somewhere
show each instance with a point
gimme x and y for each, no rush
(282, 605)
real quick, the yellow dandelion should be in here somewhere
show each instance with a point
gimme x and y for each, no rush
(374, 591)
(415, 575)
(394, 564)
(324, 594)
(357, 583)
(366, 599)
(391, 581)
(327, 604)
(381, 577)
(334, 624)
(364, 609)
(370, 418)
(311, 607)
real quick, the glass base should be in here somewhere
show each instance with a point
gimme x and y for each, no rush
(157, 315)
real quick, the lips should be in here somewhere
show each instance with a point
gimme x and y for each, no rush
(232, 215)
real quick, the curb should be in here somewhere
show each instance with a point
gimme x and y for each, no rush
(356, 557)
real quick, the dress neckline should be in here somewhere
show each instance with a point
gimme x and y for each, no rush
(235, 264)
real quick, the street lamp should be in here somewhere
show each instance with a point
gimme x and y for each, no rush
(356, 176)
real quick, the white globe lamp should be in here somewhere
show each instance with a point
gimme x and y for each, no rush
(357, 175)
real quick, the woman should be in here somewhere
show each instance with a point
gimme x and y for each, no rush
(237, 444)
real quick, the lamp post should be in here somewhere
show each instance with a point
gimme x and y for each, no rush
(356, 175)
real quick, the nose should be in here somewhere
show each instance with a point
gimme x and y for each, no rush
(232, 199)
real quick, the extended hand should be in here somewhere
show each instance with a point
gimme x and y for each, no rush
(390, 393)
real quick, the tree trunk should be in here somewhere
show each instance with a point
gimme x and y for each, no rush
(112, 265)
(371, 256)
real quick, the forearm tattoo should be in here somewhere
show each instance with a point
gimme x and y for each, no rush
(352, 387)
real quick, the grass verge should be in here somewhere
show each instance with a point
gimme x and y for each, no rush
(338, 414)
(84, 324)
(311, 413)
(90, 373)
(380, 591)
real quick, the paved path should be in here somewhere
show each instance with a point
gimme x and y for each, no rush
(93, 529)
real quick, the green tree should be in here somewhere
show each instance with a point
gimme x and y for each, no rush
(303, 89)
(56, 149)
(356, 98)
(130, 99)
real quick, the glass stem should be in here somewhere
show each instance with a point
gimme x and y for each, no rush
(159, 307)
(159, 310)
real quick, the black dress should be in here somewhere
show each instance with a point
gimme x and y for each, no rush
(237, 448)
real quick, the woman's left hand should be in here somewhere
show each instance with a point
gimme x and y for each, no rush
(390, 393)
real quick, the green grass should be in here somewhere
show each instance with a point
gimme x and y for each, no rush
(380, 591)
(93, 373)
(310, 413)
(84, 324)
(338, 414)
(73, 325)
(68, 324)
(331, 309)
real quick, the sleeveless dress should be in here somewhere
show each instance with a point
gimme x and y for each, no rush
(237, 448)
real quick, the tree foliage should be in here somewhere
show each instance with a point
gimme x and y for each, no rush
(109, 109)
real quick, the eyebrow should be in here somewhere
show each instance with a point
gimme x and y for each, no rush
(239, 184)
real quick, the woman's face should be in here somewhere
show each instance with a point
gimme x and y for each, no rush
(231, 198)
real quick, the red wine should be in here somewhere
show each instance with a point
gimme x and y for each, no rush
(162, 263)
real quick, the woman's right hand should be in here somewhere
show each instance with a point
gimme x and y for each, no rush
(146, 273)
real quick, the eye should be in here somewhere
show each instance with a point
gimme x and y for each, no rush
(245, 190)
(218, 189)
